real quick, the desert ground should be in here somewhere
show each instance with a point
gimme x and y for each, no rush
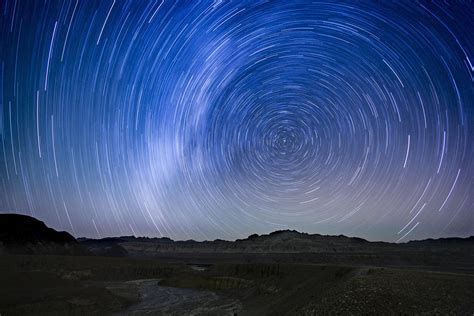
(85, 285)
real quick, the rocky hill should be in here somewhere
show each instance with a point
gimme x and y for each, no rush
(289, 246)
(21, 234)
(285, 241)
(276, 242)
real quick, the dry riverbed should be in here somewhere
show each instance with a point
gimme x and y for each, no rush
(163, 300)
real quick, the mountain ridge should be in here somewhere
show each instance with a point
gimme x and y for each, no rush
(284, 246)
(23, 234)
(129, 238)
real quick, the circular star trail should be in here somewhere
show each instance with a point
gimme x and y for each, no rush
(212, 120)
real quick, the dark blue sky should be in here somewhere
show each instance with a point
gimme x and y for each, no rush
(217, 120)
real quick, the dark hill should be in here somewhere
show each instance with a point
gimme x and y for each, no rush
(25, 234)
(21, 229)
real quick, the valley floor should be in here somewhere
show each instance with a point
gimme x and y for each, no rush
(66, 285)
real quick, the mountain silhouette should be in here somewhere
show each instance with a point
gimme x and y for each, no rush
(25, 234)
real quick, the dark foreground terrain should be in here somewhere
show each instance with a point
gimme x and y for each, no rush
(43, 272)
(72, 285)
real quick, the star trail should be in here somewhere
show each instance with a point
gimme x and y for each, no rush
(209, 120)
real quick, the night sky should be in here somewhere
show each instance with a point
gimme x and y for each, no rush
(218, 120)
